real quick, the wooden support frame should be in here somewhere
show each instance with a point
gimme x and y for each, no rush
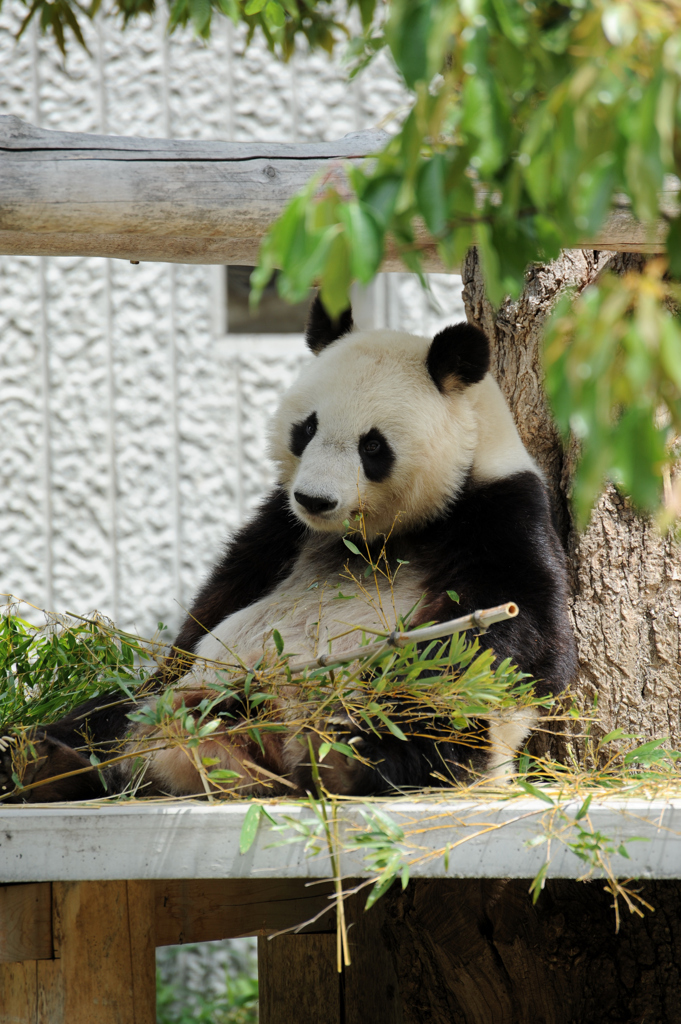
(76, 952)
(69, 194)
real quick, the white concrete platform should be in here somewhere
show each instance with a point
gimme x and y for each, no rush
(180, 840)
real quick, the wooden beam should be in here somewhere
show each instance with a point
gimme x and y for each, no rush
(174, 201)
(198, 911)
(69, 194)
(188, 910)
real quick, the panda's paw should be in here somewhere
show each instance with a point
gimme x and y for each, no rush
(35, 766)
(19, 761)
(7, 745)
(347, 729)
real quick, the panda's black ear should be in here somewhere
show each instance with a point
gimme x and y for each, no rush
(321, 330)
(458, 356)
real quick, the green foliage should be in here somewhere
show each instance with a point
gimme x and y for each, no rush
(613, 373)
(45, 672)
(207, 983)
(280, 21)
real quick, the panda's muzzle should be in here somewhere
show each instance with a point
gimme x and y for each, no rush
(313, 503)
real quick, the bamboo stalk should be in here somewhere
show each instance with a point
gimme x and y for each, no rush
(480, 619)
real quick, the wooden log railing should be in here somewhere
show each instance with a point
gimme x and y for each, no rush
(68, 194)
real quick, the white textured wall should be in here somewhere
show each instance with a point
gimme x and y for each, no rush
(132, 430)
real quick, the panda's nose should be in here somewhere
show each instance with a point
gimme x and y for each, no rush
(313, 503)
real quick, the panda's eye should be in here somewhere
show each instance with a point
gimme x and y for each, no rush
(302, 433)
(376, 454)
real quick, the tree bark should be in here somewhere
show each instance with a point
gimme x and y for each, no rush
(625, 577)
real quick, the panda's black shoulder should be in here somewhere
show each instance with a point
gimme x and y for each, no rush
(494, 511)
(485, 516)
(495, 543)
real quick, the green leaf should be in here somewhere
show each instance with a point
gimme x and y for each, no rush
(584, 809)
(533, 791)
(430, 194)
(254, 6)
(408, 40)
(381, 886)
(225, 775)
(380, 195)
(673, 244)
(453, 596)
(336, 277)
(278, 641)
(648, 753)
(344, 748)
(201, 14)
(538, 882)
(275, 14)
(353, 547)
(365, 238)
(249, 829)
(380, 714)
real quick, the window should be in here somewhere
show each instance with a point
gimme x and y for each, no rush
(273, 315)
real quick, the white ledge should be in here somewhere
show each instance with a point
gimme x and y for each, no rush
(488, 839)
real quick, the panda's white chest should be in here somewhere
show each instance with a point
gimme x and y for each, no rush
(323, 606)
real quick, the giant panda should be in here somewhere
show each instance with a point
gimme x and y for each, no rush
(413, 434)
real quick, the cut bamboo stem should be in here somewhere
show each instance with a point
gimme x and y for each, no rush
(481, 620)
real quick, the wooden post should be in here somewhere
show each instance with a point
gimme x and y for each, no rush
(298, 980)
(102, 965)
(371, 989)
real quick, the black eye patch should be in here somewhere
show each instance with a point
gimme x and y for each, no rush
(302, 434)
(376, 454)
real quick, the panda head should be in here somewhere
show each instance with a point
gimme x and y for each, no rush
(391, 424)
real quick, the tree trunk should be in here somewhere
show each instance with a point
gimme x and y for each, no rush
(479, 952)
(626, 578)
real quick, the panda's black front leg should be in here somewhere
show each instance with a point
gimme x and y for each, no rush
(385, 763)
(47, 770)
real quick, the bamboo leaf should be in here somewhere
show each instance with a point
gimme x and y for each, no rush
(533, 791)
(278, 641)
(352, 547)
(249, 829)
